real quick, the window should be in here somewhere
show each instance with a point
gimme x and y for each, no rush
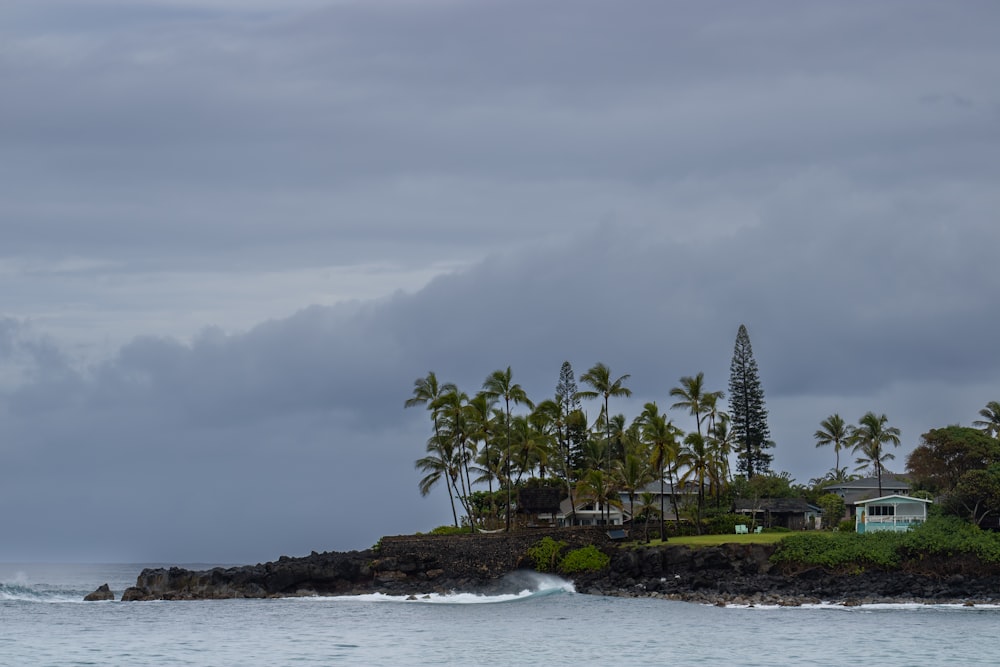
(881, 510)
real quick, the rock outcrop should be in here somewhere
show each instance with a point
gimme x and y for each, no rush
(744, 574)
(726, 574)
(103, 592)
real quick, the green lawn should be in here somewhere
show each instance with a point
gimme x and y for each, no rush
(714, 540)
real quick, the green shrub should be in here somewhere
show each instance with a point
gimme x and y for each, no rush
(833, 509)
(725, 524)
(585, 559)
(839, 550)
(545, 554)
(846, 526)
(939, 536)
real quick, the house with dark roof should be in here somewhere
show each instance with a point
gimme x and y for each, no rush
(857, 490)
(793, 513)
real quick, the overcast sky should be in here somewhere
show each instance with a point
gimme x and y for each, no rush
(233, 233)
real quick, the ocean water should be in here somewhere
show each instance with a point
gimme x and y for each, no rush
(43, 621)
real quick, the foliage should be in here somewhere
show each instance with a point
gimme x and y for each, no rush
(945, 454)
(833, 431)
(585, 559)
(944, 537)
(833, 509)
(949, 535)
(765, 486)
(869, 438)
(977, 495)
(546, 554)
(746, 406)
(725, 524)
(990, 422)
(846, 526)
(839, 550)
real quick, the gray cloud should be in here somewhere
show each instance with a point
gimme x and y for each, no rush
(234, 234)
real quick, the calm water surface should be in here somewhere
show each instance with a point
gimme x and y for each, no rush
(44, 622)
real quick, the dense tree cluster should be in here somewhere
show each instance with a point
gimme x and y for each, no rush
(961, 466)
(485, 447)
(501, 439)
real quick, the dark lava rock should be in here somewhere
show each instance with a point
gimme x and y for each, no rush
(103, 592)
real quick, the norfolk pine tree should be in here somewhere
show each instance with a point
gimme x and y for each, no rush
(746, 406)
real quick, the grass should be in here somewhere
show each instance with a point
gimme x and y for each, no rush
(715, 540)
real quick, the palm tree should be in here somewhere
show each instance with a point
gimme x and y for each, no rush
(721, 443)
(633, 473)
(700, 463)
(546, 420)
(991, 419)
(599, 378)
(481, 414)
(598, 488)
(428, 391)
(661, 436)
(710, 406)
(647, 506)
(694, 397)
(499, 385)
(457, 427)
(868, 437)
(833, 431)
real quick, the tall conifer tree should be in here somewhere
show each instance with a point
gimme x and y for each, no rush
(746, 406)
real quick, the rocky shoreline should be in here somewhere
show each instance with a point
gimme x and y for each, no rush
(729, 574)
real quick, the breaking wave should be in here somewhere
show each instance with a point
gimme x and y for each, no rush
(22, 591)
(515, 586)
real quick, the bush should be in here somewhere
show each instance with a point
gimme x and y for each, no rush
(846, 526)
(939, 536)
(546, 554)
(839, 550)
(833, 509)
(585, 559)
(725, 524)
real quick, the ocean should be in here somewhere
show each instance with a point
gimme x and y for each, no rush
(43, 621)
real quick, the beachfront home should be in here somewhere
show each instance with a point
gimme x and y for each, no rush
(588, 513)
(677, 494)
(857, 490)
(893, 513)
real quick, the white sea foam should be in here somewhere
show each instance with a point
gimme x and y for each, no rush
(522, 584)
(26, 592)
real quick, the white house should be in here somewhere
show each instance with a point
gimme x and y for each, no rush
(895, 512)
(588, 513)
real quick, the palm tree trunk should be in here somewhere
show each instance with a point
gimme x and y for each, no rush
(663, 525)
(507, 402)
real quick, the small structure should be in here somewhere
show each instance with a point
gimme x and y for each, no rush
(896, 513)
(539, 504)
(793, 513)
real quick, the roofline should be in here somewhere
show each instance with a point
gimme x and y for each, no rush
(894, 495)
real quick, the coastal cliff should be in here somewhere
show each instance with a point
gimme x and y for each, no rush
(725, 574)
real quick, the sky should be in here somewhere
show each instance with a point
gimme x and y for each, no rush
(233, 233)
